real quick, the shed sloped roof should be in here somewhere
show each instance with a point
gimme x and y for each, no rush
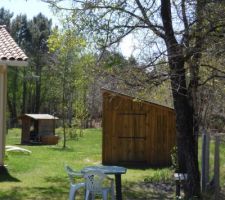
(40, 116)
(114, 93)
(10, 52)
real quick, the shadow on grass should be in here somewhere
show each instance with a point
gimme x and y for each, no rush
(5, 175)
(58, 189)
(57, 179)
(61, 149)
(35, 193)
(143, 191)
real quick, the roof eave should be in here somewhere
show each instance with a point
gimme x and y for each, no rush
(15, 63)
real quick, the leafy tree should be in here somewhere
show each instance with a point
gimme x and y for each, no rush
(5, 17)
(71, 73)
(37, 50)
(20, 33)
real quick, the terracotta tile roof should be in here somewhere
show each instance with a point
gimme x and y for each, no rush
(9, 50)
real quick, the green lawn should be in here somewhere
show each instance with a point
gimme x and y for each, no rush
(41, 175)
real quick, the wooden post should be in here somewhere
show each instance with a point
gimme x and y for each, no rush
(205, 160)
(207, 154)
(3, 95)
(217, 167)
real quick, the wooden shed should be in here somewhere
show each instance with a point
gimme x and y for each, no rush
(136, 132)
(38, 128)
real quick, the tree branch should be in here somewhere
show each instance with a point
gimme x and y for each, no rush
(147, 21)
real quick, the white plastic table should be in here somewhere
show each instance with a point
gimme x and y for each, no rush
(116, 170)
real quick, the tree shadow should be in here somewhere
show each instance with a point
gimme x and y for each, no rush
(58, 179)
(61, 149)
(5, 175)
(35, 193)
(58, 188)
(145, 191)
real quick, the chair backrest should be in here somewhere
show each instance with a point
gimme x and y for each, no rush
(94, 181)
(72, 174)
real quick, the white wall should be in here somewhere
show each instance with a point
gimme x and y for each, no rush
(3, 96)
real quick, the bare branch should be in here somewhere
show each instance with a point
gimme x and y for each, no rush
(148, 22)
(214, 68)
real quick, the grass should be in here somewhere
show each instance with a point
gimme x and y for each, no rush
(41, 175)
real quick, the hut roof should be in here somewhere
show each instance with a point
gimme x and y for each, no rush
(134, 98)
(10, 52)
(40, 116)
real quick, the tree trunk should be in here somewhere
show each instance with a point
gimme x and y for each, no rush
(12, 99)
(24, 107)
(37, 88)
(194, 67)
(186, 142)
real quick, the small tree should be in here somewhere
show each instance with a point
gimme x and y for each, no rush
(70, 73)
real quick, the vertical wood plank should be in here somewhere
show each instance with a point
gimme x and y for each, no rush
(137, 131)
(217, 167)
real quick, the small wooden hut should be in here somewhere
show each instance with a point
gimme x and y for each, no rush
(136, 132)
(38, 128)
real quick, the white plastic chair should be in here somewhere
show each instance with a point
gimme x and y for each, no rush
(73, 185)
(95, 184)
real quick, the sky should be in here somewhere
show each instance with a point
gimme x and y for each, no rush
(29, 7)
(33, 7)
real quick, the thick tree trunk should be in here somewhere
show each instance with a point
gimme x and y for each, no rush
(186, 141)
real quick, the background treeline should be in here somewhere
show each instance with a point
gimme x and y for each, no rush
(65, 74)
(63, 78)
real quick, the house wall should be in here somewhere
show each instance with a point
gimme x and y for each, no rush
(136, 132)
(3, 95)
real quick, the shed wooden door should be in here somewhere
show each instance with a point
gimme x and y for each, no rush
(131, 137)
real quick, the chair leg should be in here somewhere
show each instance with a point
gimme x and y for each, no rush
(72, 193)
(92, 196)
(87, 194)
(112, 194)
(105, 194)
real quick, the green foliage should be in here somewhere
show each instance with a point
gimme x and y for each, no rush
(5, 17)
(159, 175)
(40, 30)
(71, 72)
(114, 60)
(65, 41)
(174, 158)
